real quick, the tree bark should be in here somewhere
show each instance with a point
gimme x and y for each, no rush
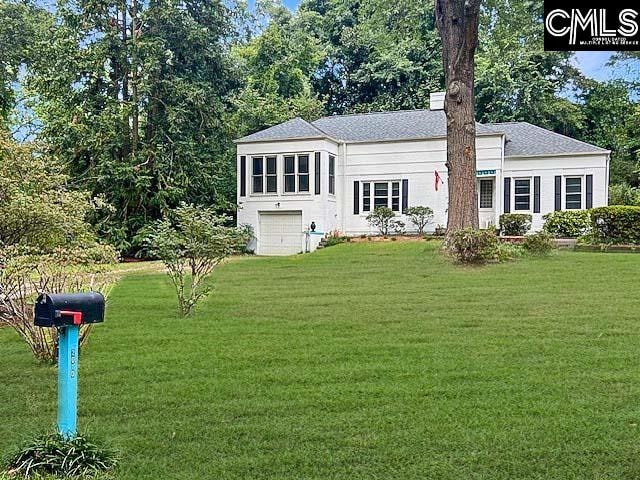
(457, 22)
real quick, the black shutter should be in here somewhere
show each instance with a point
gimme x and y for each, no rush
(558, 193)
(243, 176)
(589, 191)
(507, 194)
(317, 173)
(536, 194)
(405, 195)
(356, 198)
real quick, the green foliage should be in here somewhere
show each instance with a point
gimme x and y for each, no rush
(382, 218)
(37, 208)
(191, 241)
(420, 217)
(470, 246)
(335, 238)
(515, 224)
(539, 243)
(624, 194)
(567, 223)
(616, 224)
(138, 109)
(53, 455)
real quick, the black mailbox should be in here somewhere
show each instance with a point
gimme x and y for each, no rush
(60, 309)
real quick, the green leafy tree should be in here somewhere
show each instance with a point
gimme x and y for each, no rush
(133, 96)
(278, 66)
(191, 241)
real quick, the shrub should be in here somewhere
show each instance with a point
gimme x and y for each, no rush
(26, 272)
(53, 455)
(381, 218)
(624, 194)
(420, 217)
(474, 246)
(515, 223)
(540, 243)
(398, 227)
(567, 223)
(509, 251)
(616, 224)
(191, 241)
(335, 238)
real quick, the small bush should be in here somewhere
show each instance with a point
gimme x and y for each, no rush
(509, 251)
(419, 216)
(382, 219)
(54, 455)
(567, 223)
(540, 243)
(472, 246)
(335, 238)
(616, 224)
(398, 227)
(515, 224)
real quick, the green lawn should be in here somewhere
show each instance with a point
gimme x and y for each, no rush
(361, 361)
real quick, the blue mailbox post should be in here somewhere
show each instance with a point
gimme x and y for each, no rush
(67, 313)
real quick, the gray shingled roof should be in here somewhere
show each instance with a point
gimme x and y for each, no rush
(522, 137)
(526, 139)
(294, 128)
(388, 125)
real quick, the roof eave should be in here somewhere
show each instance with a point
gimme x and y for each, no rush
(561, 154)
(240, 141)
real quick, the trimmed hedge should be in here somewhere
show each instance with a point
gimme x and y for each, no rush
(567, 223)
(515, 224)
(616, 224)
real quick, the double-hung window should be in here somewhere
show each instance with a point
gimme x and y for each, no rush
(385, 194)
(264, 175)
(332, 174)
(573, 193)
(522, 194)
(296, 173)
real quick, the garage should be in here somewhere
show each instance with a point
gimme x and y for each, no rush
(280, 233)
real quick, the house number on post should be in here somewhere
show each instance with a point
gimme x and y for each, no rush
(67, 313)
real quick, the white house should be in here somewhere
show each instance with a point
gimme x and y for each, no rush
(332, 172)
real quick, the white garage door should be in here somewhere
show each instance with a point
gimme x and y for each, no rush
(280, 233)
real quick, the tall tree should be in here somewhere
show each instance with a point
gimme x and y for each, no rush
(132, 95)
(457, 22)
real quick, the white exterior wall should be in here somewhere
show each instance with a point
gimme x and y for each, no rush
(547, 168)
(415, 161)
(320, 209)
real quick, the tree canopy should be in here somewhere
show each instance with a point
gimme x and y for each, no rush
(139, 101)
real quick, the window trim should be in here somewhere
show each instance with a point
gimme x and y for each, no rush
(264, 174)
(332, 174)
(310, 173)
(513, 195)
(582, 191)
(372, 195)
(492, 181)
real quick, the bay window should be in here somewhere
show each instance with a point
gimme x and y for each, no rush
(332, 174)
(296, 173)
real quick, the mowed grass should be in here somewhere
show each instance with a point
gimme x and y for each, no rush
(360, 361)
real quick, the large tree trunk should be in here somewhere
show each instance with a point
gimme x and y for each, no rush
(457, 22)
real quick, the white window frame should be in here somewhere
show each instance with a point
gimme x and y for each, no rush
(582, 191)
(264, 174)
(332, 176)
(310, 173)
(372, 195)
(513, 195)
